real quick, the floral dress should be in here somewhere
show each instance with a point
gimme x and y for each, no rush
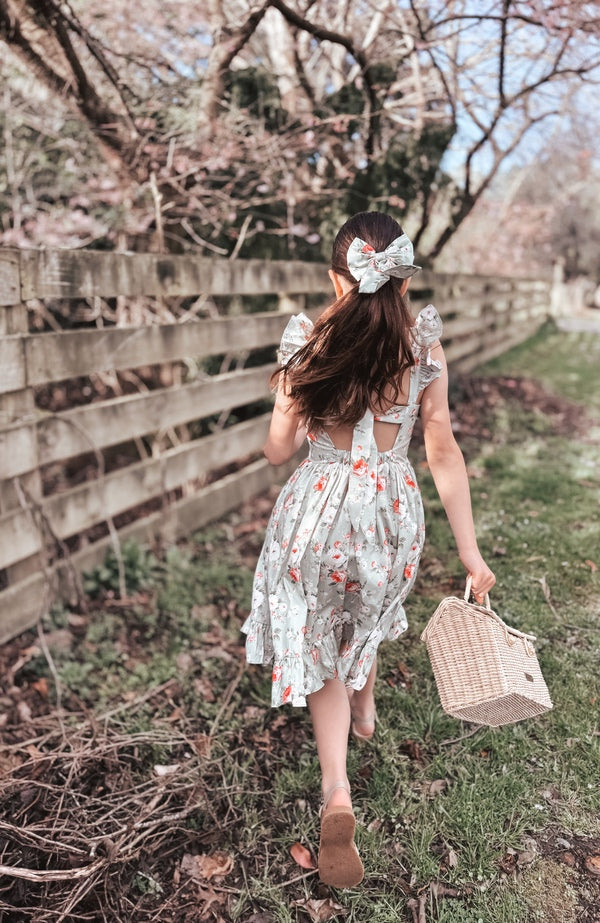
(342, 545)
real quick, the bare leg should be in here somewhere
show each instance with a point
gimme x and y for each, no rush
(363, 703)
(330, 711)
(339, 862)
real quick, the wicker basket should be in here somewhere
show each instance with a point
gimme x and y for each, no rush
(485, 671)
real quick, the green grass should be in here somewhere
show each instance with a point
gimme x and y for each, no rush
(535, 496)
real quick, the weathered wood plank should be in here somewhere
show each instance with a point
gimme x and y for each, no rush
(467, 346)
(19, 537)
(490, 349)
(78, 509)
(16, 407)
(85, 273)
(12, 365)
(18, 450)
(464, 327)
(81, 507)
(111, 422)
(58, 356)
(107, 423)
(20, 605)
(10, 285)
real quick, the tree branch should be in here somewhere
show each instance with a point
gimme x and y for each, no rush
(502, 53)
(470, 198)
(326, 35)
(440, 72)
(12, 34)
(221, 57)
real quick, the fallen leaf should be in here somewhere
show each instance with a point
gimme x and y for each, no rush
(320, 911)
(405, 674)
(593, 567)
(592, 864)
(475, 472)
(208, 897)
(526, 857)
(302, 856)
(24, 712)
(508, 862)
(439, 889)
(203, 689)
(41, 686)
(246, 528)
(417, 908)
(202, 868)
(437, 787)
(414, 749)
(60, 639)
(76, 621)
(201, 744)
(184, 661)
(451, 859)
(166, 770)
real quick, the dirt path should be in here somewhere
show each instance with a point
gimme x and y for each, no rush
(588, 321)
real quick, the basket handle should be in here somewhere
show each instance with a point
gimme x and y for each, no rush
(468, 593)
(508, 630)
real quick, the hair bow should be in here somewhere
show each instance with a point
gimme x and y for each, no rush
(374, 269)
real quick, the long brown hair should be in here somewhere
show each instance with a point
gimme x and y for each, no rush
(360, 345)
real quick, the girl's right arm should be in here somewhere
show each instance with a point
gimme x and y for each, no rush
(449, 472)
(286, 431)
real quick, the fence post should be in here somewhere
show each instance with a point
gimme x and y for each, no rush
(18, 407)
(557, 292)
(291, 304)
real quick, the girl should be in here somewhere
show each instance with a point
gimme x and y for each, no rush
(344, 539)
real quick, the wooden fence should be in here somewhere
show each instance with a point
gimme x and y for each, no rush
(48, 532)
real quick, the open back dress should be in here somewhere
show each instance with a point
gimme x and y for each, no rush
(342, 545)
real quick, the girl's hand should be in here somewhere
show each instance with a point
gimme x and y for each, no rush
(482, 578)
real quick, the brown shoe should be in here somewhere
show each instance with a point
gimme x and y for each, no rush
(339, 862)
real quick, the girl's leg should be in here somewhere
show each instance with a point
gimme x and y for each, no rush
(330, 711)
(363, 702)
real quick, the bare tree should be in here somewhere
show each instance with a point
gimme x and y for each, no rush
(505, 74)
(256, 116)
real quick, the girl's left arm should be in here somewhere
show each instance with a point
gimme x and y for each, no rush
(447, 466)
(286, 432)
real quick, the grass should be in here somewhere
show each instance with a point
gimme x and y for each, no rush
(473, 818)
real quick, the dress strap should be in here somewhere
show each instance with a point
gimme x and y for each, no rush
(362, 487)
(413, 388)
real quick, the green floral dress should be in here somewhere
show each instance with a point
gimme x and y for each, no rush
(342, 545)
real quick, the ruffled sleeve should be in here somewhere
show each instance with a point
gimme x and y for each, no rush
(295, 335)
(426, 331)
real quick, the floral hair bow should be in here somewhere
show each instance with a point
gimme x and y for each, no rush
(373, 269)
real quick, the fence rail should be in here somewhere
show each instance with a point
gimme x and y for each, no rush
(165, 490)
